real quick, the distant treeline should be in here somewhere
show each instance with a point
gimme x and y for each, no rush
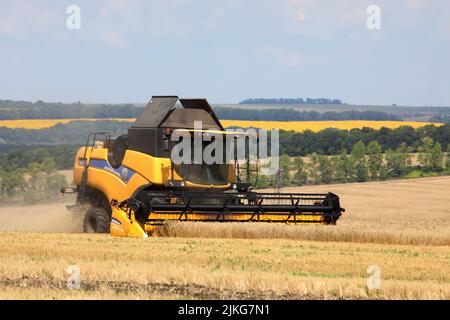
(73, 133)
(12, 110)
(62, 156)
(35, 182)
(333, 141)
(325, 142)
(362, 163)
(442, 118)
(290, 101)
(292, 115)
(31, 176)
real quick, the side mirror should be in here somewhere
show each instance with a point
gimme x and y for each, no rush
(69, 190)
(166, 144)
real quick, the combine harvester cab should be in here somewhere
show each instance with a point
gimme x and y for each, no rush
(130, 185)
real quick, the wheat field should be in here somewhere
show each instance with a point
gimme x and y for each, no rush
(34, 266)
(401, 212)
(298, 126)
(315, 126)
(402, 227)
(47, 123)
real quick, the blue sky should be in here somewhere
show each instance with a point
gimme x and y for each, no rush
(127, 51)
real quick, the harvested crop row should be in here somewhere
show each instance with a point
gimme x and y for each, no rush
(211, 267)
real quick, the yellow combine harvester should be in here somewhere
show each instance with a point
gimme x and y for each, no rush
(130, 185)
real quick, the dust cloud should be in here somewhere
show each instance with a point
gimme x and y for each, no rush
(40, 218)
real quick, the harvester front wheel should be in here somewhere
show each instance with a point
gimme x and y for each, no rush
(96, 220)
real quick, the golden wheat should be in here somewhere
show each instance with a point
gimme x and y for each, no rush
(47, 123)
(403, 227)
(407, 212)
(315, 126)
(267, 125)
(218, 268)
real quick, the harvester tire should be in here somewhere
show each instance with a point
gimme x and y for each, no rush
(96, 220)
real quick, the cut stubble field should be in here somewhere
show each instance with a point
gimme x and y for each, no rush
(402, 227)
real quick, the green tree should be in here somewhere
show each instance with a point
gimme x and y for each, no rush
(43, 181)
(12, 185)
(384, 173)
(285, 165)
(36, 183)
(48, 166)
(359, 158)
(345, 168)
(325, 169)
(447, 162)
(264, 182)
(338, 174)
(398, 161)
(374, 159)
(313, 169)
(300, 175)
(320, 169)
(437, 157)
(282, 179)
(425, 149)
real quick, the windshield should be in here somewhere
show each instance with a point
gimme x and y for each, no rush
(208, 174)
(214, 173)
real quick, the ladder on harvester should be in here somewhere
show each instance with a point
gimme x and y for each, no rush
(247, 168)
(248, 171)
(89, 144)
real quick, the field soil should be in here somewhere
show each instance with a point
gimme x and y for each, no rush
(401, 228)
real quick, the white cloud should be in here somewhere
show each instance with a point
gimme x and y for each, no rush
(115, 39)
(21, 19)
(323, 19)
(126, 16)
(108, 20)
(319, 18)
(220, 13)
(285, 57)
(149, 18)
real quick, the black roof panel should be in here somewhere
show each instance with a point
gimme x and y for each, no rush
(160, 109)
